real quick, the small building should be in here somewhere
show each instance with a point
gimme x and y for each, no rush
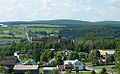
(66, 52)
(51, 39)
(106, 52)
(74, 65)
(8, 64)
(4, 26)
(18, 54)
(21, 69)
(6, 32)
(1, 25)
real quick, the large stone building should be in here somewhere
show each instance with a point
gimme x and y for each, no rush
(51, 39)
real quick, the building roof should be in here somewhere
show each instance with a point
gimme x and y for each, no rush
(8, 61)
(110, 51)
(25, 67)
(70, 61)
(49, 68)
(104, 52)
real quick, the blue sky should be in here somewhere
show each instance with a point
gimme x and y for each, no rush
(88, 10)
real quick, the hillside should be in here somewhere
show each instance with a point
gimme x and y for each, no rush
(66, 22)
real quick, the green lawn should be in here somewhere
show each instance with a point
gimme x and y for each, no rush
(88, 63)
(101, 67)
(112, 70)
(82, 73)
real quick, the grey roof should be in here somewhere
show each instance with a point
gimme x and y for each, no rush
(110, 52)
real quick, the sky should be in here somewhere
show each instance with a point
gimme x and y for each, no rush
(87, 10)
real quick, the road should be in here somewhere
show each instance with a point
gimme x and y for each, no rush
(99, 70)
(26, 33)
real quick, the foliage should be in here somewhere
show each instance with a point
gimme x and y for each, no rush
(89, 36)
(117, 55)
(46, 55)
(93, 72)
(94, 56)
(68, 71)
(110, 59)
(83, 55)
(55, 71)
(58, 57)
(103, 71)
(76, 71)
(73, 55)
(1, 68)
(27, 72)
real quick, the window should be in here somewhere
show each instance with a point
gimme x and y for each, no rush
(76, 68)
(76, 63)
(69, 63)
(79, 63)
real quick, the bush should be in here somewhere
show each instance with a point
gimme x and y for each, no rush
(103, 71)
(68, 71)
(55, 71)
(93, 72)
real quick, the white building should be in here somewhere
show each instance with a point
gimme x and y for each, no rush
(4, 26)
(74, 65)
(6, 32)
(1, 24)
(18, 54)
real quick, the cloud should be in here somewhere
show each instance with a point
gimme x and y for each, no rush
(88, 8)
(53, 4)
(67, 4)
(44, 4)
(112, 1)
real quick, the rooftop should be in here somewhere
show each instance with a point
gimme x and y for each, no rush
(25, 67)
(8, 61)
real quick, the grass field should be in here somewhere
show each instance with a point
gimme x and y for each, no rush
(19, 31)
(101, 67)
(82, 73)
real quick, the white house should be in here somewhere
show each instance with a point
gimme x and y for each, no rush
(18, 54)
(1, 25)
(4, 26)
(6, 32)
(74, 65)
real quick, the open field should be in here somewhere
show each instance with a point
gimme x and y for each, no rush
(19, 31)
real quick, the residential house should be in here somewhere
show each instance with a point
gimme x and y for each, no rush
(1, 25)
(18, 54)
(4, 26)
(74, 65)
(8, 64)
(6, 32)
(66, 52)
(106, 52)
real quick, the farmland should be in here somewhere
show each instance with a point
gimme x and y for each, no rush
(17, 32)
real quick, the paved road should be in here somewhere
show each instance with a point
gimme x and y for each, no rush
(99, 70)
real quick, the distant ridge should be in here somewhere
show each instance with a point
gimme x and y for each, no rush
(62, 22)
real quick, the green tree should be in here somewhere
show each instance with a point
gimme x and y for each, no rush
(27, 72)
(110, 59)
(46, 55)
(73, 55)
(93, 72)
(55, 71)
(117, 55)
(89, 36)
(68, 71)
(58, 58)
(103, 71)
(94, 57)
(56, 45)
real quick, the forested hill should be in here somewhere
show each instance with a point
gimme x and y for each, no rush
(65, 22)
